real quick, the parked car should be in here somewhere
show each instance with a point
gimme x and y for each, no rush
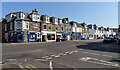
(62, 39)
(108, 40)
(118, 41)
(100, 37)
(84, 38)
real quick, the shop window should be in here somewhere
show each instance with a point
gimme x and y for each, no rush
(32, 36)
(51, 36)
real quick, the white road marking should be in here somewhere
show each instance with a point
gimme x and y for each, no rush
(12, 59)
(50, 65)
(45, 57)
(40, 59)
(48, 58)
(71, 52)
(52, 55)
(76, 51)
(96, 54)
(67, 52)
(25, 60)
(64, 54)
(21, 67)
(98, 61)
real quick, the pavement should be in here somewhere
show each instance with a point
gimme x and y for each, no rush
(71, 55)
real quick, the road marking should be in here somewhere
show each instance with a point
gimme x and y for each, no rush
(57, 56)
(96, 54)
(66, 52)
(31, 66)
(48, 58)
(40, 59)
(45, 57)
(76, 51)
(71, 52)
(98, 61)
(50, 65)
(21, 67)
(28, 67)
(12, 59)
(52, 55)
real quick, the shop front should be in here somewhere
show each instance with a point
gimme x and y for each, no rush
(19, 36)
(32, 36)
(76, 35)
(66, 35)
(48, 36)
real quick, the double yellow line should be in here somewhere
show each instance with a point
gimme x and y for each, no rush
(31, 67)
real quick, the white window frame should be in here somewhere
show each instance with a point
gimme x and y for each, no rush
(26, 23)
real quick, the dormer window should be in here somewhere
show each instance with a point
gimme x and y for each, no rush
(60, 21)
(46, 19)
(20, 15)
(65, 21)
(35, 17)
(56, 21)
(75, 25)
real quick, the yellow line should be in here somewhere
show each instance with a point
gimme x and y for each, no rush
(32, 66)
(29, 67)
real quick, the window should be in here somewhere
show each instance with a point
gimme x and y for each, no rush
(60, 21)
(45, 27)
(49, 27)
(11, 26)
(75, 28)
(5, 27)
(47, 18)
(56, 27)
(26, 25)
(38, 34)
(62, 28)
(35, 25)
(70, 29)
(19, 15)
(51, 36)
(66, 28)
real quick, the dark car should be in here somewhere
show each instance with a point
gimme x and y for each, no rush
(118, 41)
(108, 40)
(100, 38)
(62, 39)
(84, 38)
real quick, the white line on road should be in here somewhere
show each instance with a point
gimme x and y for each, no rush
(45, 57)
(98, 61)
(96, 54)
(40, 59)
(12, 59)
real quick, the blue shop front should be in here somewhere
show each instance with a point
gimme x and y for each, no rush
(76, 35)
(32, 36)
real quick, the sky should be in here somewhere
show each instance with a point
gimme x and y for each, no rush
(100, 13)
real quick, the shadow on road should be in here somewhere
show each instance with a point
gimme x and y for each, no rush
(100, 46)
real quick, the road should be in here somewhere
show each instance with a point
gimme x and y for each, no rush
(71, 55)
